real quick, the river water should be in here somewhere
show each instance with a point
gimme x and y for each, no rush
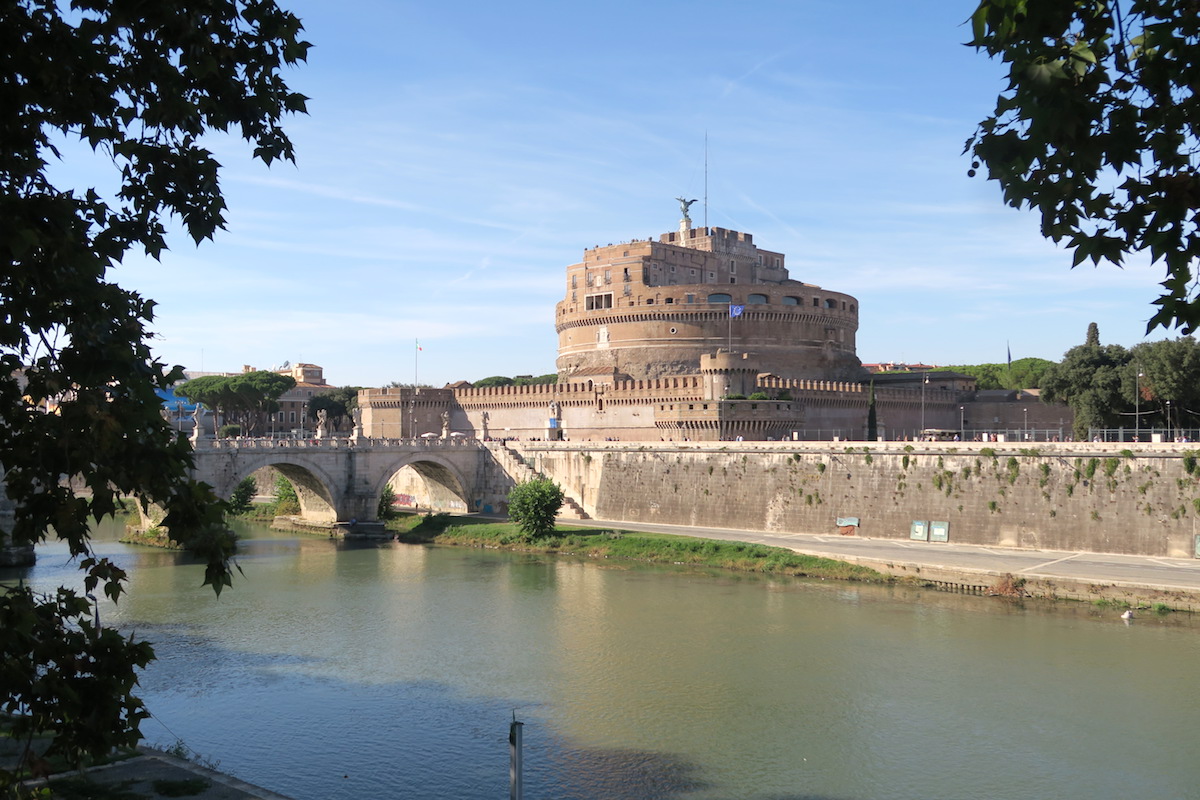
(337, 670)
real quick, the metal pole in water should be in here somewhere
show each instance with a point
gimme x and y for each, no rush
(516, 784)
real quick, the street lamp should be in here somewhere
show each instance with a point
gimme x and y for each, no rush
(962, 426)
(1137, 407)
(924, 383)
(1025, 411)
(1169, 438)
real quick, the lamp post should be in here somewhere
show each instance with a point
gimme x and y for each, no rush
(924, 383)
(1025, 411)
(1137, 407)
(962, 426)
(1169, 438)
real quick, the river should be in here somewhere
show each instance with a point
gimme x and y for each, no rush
(335, 670)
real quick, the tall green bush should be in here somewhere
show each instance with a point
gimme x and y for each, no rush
(243, 496)
(533, 505)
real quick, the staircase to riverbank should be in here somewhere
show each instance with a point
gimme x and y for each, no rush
(518, 469)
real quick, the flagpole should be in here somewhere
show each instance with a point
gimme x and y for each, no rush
(416, 351)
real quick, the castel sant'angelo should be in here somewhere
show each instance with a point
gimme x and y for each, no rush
(701, 335)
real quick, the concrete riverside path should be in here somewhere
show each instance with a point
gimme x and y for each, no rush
(1073, 575)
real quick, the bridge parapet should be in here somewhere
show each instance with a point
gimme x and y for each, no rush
(286, 445)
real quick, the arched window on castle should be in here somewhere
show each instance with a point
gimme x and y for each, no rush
(756, 299)
(790, 301)
(720, 297)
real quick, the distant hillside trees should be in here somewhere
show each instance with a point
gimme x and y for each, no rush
(1024, 373)
(520, 380)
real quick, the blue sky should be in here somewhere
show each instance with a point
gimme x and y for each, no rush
(458, 156)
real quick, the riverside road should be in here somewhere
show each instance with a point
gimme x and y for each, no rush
(900, 557)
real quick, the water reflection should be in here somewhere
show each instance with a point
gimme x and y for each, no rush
(337, 670)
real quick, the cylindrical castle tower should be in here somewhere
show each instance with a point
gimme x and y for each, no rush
(649, 309)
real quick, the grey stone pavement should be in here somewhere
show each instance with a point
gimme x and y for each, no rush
(1168, 574)
(137, 778)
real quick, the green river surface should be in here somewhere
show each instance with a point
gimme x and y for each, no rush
(344, 670)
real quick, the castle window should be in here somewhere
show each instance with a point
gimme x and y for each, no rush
(732, 265)
(760, 259)
(733, 280)
(573, 279)
(691, 298)
(712, 277)
(853, 310)
(672, 268)
(816, 302)
(791, 301)
(777, 264)
(597, 302)
(669, 301)
(756, 299)
(830, 303)
(720, 297)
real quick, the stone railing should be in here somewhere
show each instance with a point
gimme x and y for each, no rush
(333, 443)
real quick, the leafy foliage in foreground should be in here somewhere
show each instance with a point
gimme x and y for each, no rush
(131, 88)
(1097, 130)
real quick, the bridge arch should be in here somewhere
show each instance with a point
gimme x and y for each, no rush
(444, 483)
(315, 488)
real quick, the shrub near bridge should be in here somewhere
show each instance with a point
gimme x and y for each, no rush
(533, 505)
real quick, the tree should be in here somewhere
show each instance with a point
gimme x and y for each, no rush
(1169, 382)
(135, 86)
(242, 398)
(1090, 380)
(533, 505)
(495, 380)
(243, 495)
(338, 403)
(1024, 373)
(872, 416)
(387, 503)
(1097, 130)
(286, 501)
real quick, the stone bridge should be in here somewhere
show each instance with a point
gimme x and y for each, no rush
(342, 479)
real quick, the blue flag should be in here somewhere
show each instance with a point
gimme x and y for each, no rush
(735, 311)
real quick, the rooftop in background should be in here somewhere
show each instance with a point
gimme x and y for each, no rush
(895, 366)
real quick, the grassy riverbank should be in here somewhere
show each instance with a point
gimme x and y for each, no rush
(652, 548)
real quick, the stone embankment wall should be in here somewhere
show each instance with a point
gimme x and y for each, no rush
(1057, 496)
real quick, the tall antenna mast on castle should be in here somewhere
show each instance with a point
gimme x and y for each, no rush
(706, 182)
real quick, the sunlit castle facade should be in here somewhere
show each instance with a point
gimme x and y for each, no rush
(698, 336)
(650, 309)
